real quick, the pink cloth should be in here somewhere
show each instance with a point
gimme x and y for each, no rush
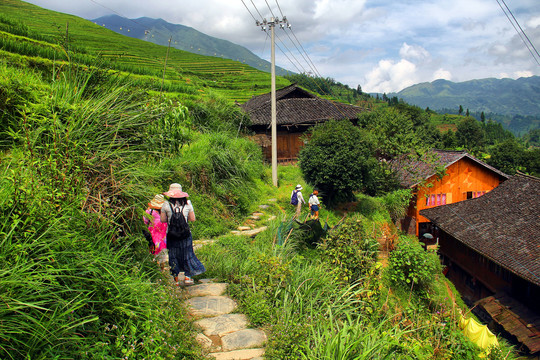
(157, 229)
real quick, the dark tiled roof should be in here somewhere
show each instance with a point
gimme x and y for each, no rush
(503, 225)
(295, 106)
(413, 171)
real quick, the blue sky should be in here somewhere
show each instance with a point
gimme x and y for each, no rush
(383, 46)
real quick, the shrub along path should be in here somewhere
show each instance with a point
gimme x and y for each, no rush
(224, 333)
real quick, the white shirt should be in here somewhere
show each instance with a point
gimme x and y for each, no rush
(300, 197)
(166, 208)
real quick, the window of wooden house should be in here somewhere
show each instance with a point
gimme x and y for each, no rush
(478, 193)
(436, 200)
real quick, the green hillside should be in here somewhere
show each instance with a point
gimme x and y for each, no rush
(87, 140)
(185, 38)
(514, 103)
(186, 72)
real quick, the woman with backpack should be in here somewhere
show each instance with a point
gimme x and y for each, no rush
(177, 211)
(297, 200)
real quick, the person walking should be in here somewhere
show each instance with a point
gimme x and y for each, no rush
(314, 204)
(157, 230)
(297, 199)
(177, 212)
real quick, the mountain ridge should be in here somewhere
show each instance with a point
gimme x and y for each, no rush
(159, 31)
(490, 95)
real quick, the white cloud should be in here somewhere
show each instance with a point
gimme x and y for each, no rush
(383, 46)
(390, 76)
(413, 52)
(524, 73)
(442, 74)
(533, 22)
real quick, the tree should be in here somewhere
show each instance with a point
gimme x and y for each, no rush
(467, 112)
(508, 156)
(470, 133)
(460, 110)
(449, 140)
(338, 159)
(394, 131)
(483, 117)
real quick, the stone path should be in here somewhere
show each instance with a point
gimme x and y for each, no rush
(224, 333)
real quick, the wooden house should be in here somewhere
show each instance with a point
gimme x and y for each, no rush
(296, 111)
(442, 177)
(491, 247)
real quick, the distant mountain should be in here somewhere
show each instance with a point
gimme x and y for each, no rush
(158, 31)
(500, 96)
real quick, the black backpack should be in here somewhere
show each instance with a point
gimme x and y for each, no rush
(178, 226)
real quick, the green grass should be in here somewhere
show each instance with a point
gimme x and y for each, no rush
(231, 79)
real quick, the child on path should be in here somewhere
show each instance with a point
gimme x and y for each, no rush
(181, 255)
(297, 199)
(157, 230)
(314, 204)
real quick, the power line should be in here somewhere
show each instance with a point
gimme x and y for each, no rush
(284, 24)
(520, 32)
(269, 8)
(262, 18)
(281, 12)
(249, 11)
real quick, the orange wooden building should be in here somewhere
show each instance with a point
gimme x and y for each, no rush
(443, 177)
(296, 111)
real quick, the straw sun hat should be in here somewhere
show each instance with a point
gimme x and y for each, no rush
(175, 191)
(156, 202)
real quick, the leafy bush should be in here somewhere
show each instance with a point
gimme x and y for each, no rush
(396, 203)
(411, 267)
(225, 167)
(337, 147)
(351, 248)
(215, 113)
(170, 130)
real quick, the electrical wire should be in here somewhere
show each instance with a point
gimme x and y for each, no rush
(269, 8)
(519, 32)
(249, 11)
(522, 31)
(279, 7)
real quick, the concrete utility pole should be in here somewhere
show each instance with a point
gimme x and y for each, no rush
(272, 23)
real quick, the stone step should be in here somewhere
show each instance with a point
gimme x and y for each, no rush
(207, 306)
(250, 232)
(208, 289)
(223, 324)
(246, 354)
(243, 339)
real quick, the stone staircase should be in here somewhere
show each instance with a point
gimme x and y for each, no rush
(224, 334)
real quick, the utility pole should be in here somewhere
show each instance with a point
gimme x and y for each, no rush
(165, 67)
(272, 24)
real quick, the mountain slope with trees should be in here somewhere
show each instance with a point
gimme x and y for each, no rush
(158, 31)
(87, 141)
(514, 103)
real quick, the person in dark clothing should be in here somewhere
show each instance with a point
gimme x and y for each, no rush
(181, 255)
